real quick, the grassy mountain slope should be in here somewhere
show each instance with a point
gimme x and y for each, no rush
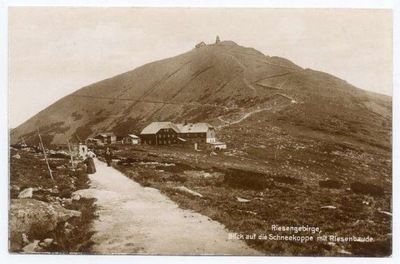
(304, 147)
(223, 84)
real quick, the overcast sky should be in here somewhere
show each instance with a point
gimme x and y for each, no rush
(54, 51)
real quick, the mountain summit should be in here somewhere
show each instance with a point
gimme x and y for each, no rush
(224, 84)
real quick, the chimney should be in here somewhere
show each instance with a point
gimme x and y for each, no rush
(217, 40)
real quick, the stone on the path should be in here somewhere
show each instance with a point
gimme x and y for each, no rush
(46, 242)
(32, 247)
(16, 156)
(27, 193)
(344, 252)
(68, 228)
(242, 200)
(83, 193)
(207, 175)
(75, 197)
(66, 202)
(25, 240)
(385, 213)
(188, 191)
(328, 207)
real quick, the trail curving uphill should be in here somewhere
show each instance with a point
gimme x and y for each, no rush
(137, 220)
(252, 112)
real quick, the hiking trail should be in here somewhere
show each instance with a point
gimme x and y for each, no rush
(140, 220)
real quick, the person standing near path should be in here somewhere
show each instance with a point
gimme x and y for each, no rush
(108, 156)
(90, 168)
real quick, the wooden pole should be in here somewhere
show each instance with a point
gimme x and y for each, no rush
(45, 157)
(70, 154)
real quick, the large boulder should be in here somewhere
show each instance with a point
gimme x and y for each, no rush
(31, 216)
(27, 193)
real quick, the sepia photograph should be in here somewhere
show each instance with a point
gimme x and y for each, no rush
(186, 131)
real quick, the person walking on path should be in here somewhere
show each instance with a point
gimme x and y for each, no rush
(90, 168)
(108, 156)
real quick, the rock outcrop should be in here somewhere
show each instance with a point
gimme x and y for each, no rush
(29, 215)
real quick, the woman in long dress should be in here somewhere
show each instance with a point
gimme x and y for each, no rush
(90, 168)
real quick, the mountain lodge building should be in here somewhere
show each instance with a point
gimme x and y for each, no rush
(199, 135)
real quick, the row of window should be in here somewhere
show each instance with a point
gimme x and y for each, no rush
(192, 135)
(166, 136)
(182, 135)
(161, 142)
(173, 141)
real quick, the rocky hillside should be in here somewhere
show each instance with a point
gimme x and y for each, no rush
(223, 84)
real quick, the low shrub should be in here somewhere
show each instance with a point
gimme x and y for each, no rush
(367, 188)
(333, 184)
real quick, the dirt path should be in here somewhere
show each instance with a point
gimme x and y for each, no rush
(245, 116)
(134, 219)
